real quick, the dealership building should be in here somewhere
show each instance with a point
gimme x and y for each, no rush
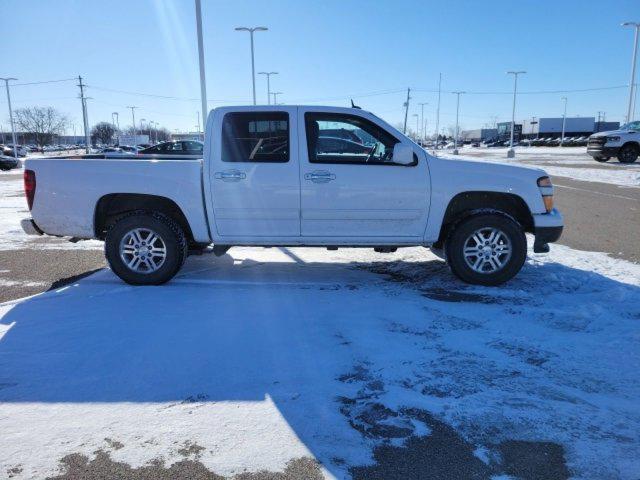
(478, 135)
(551, 127)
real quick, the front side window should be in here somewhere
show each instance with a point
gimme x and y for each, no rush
(342, 138)
(193, 147)
(255, 137)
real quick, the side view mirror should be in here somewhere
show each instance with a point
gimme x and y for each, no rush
(402, 154)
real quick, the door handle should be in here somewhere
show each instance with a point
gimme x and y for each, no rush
(230, 176)
(320, 176)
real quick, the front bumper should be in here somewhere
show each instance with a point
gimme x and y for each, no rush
(30, 227)
(602, 151)
(547, 229)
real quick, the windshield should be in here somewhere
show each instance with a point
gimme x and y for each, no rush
(631, 126)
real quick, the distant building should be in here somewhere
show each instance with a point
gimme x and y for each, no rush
(606, 126)
(551, 127)
(478, 135)
(186, 136)
(504, 131)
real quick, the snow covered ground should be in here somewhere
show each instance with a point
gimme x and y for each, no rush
(368, 363)
(572, 162)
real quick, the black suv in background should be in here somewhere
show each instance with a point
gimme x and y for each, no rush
(177, 147)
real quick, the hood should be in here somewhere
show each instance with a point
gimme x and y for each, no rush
(491, 167)
(611, 132)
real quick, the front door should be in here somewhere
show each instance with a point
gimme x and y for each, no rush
(254, 180)
(350, 185)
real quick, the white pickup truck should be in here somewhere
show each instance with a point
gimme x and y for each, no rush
(295, 176)
(623, 143)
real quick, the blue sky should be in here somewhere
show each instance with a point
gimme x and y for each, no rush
(326, 52)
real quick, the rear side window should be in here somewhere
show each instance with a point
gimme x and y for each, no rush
(255, 137)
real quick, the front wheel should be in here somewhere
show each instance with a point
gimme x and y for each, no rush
(145, 248)
(486, 249)
(628, 153)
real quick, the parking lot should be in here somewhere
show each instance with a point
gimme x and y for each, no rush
(256, 361)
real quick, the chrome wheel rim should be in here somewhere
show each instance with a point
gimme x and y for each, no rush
(143, 251)
(487, 250)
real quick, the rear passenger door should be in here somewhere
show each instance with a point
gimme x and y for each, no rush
(255, 183)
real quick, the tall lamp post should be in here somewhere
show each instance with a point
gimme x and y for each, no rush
(275, 97)
(564, 120)
(13, 127)
(422, 119)
(510, 152)
(268, 74)
(632, 87)
(417, 125)
(133, 118)
(203, 82)
(455, 139)
(253, 69)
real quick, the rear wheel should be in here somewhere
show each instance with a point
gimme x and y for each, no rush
(145, 248)
(486, 249)
(628, 153)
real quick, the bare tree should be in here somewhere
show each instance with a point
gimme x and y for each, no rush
(102, 132)
(40, 124)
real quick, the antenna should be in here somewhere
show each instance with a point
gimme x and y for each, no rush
(353, 105)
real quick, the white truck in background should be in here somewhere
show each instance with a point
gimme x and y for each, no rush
(623, 143)
(295, 176)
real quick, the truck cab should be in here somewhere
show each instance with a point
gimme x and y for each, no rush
(296, 176)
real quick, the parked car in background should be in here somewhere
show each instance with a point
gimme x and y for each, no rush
(7, 163)
(341, 145)
(623, 143)
(129, 149)
(176, 147)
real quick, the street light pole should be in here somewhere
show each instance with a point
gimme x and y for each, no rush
(253, 69)
(422, 119)
(510, 152)
(275, 97)
(203, 83)
(13, 128)
(633, 66)
(438, 111)
(133, 117)
(268, 74)
(564, 119)
(455, 140)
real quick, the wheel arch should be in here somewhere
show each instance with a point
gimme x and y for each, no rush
(466, 204)
(113, 205)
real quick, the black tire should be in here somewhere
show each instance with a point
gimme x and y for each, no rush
(462, 234)
(601, 159)
(628, 153)
(170, 233)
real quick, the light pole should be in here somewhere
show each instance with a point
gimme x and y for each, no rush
(275, 97)
(422, 119)
(564, 119)
(13, 127)
(636, 25)
(142, 120)
(117, 115)
(253, 70)
(510, 152)
(268, 74)
(203, 86)
(455, 140)
(438, 111)
(133, 117)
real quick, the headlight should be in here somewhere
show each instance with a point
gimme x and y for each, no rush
(546, 190)
(613, 139)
